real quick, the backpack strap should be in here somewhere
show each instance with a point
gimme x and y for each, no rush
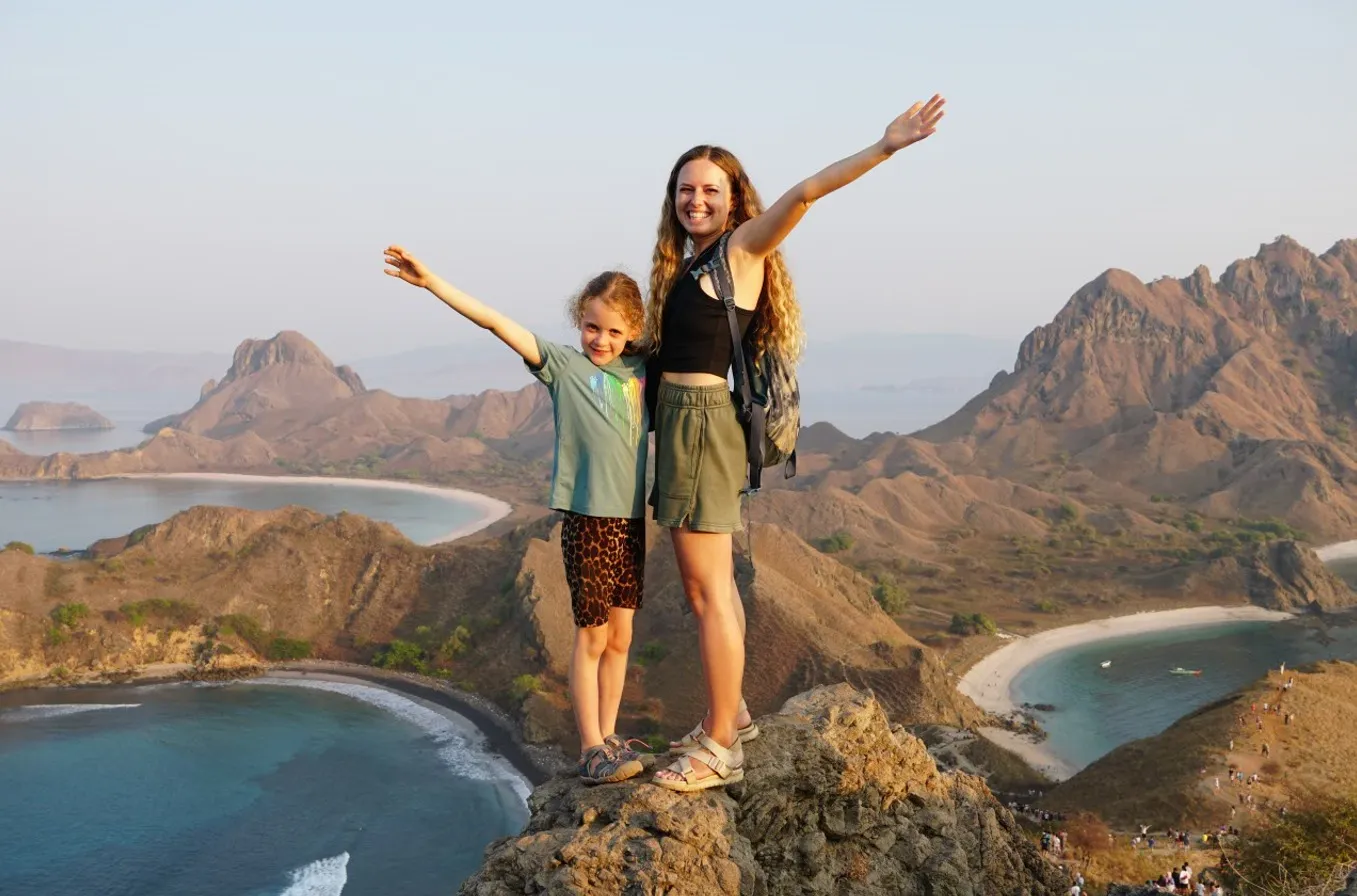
(724, 284)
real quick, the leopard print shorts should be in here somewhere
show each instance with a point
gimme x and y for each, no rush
(605, 559)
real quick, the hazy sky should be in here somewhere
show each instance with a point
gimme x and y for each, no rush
(189, 174)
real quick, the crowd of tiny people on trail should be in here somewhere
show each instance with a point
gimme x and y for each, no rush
(1180, 879)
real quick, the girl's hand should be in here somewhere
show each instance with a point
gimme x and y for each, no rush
(407, 267)
(920, 121)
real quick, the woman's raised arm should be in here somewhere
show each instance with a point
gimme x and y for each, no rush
(760, 236)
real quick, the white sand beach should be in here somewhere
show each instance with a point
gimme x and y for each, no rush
(989, 682)
(1343, 550)
(492, 509)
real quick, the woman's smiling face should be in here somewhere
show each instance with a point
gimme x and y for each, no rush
(702, 198)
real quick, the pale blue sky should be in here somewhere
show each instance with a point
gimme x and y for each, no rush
(189, 174)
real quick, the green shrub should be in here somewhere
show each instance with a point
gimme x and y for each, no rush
(247, 628)
(20, 546)
(174, 612)
(54, 584)
(67, 615)
(523, 685)
(652, 652)
(456, 643)
(1046, 605)
(401, 655)
(138, 535)
(1310, 849)
(839, 541)
(1270, 528)
(1066, 513)
(974, 624)
(890, 596)
(282, 648)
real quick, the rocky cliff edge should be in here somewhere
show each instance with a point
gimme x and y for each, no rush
(835, 800)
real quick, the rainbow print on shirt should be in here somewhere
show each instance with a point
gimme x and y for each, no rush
(621, 402)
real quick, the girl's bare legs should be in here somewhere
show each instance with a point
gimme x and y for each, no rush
(706, 565)
(590, 645)
(612, 668)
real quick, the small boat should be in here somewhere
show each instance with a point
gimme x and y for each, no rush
(1105, 663)
(1181, 671)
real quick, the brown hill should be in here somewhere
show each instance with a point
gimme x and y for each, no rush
(1159, 780)
(1236, 396)
(485, 611)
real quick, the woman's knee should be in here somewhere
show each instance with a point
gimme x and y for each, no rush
(707, 595)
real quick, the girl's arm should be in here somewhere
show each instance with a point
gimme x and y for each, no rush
(511, 333)
(758, 237)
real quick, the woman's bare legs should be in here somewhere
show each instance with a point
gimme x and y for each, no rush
(742, 717)
(706, 566)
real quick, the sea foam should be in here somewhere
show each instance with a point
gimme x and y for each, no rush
(53, 710)
(461, 745)
(323, 877)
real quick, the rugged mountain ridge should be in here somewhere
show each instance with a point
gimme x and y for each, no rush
(1236, 396)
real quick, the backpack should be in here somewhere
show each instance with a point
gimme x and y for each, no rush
(769, 399)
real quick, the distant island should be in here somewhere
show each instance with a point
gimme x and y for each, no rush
(33, 416)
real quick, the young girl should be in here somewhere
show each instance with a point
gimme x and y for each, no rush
(597, 480)
(699, 444)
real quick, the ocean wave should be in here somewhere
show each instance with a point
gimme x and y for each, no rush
(323, 877)
(461, 745)
(53, 710)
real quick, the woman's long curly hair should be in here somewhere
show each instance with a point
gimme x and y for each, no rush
(777, 321)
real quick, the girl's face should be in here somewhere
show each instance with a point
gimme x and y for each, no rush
(603, 332)
(702, 198)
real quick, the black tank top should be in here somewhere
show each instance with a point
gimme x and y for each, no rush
(695, 332)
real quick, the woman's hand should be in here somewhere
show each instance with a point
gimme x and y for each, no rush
(407, 267)
(918, 122)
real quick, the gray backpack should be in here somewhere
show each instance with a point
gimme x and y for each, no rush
(769, 399)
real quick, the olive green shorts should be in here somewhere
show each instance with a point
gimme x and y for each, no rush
(699, 459)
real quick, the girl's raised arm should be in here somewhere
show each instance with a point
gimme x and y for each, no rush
(759, 236)
(510, 332)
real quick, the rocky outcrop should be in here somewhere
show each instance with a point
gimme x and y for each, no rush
(835, 800)
(33, 416)
(1285, 575)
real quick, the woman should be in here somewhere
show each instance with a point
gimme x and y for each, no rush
(699, 445)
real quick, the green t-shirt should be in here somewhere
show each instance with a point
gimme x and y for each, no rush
(601, 427)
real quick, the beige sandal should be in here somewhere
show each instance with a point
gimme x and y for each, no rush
(727, 766)
(689, 741)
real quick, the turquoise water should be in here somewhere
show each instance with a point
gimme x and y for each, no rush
(1099, 709)
(247, 789)
(73, 514)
